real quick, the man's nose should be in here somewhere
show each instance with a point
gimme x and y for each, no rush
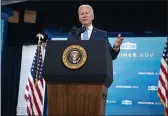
(84, 16)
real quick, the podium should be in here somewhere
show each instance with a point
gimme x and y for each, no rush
(81, 91)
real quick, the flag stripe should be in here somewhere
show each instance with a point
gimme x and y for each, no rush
(42, 83)
(162, 82)
(163, 87)
(41, 89)
(31, 106)
(166, 111)
(28, 111)
(163, 71)
(163, 78)
(35, 105)
(161, 96)
(163, 62)
(39, 93)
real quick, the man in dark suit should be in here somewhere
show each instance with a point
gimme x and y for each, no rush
(86, 16)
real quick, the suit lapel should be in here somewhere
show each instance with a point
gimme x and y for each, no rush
(80, 37)
(93, 34)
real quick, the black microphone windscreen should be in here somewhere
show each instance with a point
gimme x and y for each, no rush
(74, 28)
(82, 29)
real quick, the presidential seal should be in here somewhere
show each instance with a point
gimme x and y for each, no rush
(74, 57)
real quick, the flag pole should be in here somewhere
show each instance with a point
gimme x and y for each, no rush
(40, 36)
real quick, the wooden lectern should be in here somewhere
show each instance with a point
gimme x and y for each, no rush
(80, 91)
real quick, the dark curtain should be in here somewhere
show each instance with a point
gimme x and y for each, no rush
(10, 80)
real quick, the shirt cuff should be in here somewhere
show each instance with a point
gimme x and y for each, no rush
(116, 49)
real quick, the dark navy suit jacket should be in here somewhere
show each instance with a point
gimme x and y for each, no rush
(99, 35)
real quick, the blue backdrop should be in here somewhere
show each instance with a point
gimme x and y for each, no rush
(136, 70)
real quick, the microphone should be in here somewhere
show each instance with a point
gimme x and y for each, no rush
(73, 30)
(81, 30)
(77, 32)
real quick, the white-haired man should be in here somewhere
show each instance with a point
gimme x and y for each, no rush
(86, 16)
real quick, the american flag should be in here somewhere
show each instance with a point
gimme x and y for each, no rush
(163, 79)
(35, 93)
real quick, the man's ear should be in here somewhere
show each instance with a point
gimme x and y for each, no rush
(79, 20)
(92, 17)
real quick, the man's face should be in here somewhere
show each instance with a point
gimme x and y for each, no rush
(85, 16)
